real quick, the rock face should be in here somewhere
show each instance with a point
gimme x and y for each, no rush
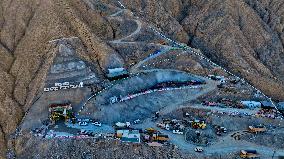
(245, 36)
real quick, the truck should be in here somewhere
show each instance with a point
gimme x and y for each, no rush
(249, 154)
(160, 137)
(257, 129)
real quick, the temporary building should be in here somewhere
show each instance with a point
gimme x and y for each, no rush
(251, 104)
(117, 72)
(267, 105)
(131, 136)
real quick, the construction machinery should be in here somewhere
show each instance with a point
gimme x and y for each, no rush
(198, 149)
(160, 137)
(198, 124)
(178, 132)
(165, 126)
(162, 42)
(61, 111)
(219, 130)
(249, 154)
(257, 129)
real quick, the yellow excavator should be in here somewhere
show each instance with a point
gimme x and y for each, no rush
(198, 124)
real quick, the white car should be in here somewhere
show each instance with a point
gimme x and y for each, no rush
(178, 132)
(224, 130)
(137, 121)
(198, 149)
(83, 123)
(96, 123)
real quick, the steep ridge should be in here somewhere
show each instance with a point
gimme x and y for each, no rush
(233, 34)
(26, 54)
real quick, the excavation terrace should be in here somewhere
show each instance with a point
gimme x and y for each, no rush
(141, 95)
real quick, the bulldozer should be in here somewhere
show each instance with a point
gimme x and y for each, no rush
(198, 124)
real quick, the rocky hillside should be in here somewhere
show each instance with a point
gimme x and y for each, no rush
(246, 36)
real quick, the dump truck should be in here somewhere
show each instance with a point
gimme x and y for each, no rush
(249, 154)
(160, 137)
(257, 129)
(198, 124)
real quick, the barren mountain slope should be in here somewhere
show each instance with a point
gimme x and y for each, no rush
(245, 36)
(26, 29)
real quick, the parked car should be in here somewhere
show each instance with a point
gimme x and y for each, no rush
(223, 129)
(198, 149)
(83, 123)
(178, 132)
(137, 121)
(96, 123)
(126, 124)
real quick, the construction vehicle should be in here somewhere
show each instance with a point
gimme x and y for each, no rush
(96, 123)
(83, 123)
(137, 121)
(160, 137)
(249, 154)
(198, 149)
(162, 42)
(198, 124)
(119, 124)
(257, 129)
(219, 130)
(178, 132)
(165, 126)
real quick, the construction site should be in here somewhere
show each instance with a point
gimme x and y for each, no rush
(158, 93)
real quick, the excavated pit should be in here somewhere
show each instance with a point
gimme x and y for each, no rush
(143, 106)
